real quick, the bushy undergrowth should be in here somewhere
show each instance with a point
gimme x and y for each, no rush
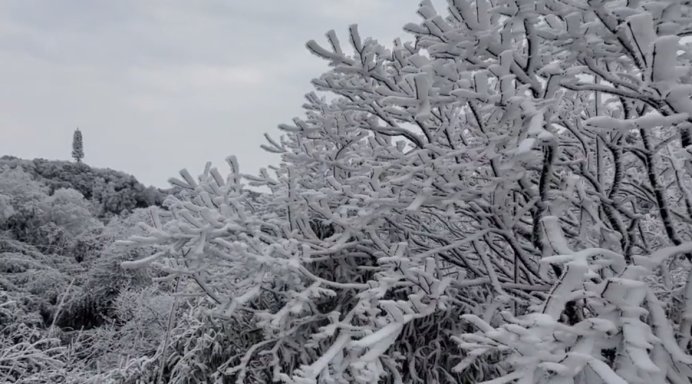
(68, 311)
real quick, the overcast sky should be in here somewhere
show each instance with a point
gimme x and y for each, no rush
(156, 86)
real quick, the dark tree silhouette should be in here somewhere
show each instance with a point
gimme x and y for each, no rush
(77, 146)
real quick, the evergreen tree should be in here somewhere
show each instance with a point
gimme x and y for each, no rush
(77, 146)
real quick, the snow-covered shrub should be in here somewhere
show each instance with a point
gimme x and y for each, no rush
(138, 319)
(6, 208)
(617, 332)
(88, 245)
(21, 201)
(68, 209)
(25, 353)
(21, 187)
(522, 164)
(104, 278)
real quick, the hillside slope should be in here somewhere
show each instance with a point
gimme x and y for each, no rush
(111, 191)
(64, 300)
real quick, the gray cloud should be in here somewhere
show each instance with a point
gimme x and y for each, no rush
(157, 86)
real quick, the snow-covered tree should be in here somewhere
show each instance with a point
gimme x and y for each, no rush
(521, 164)
(77, 146)
(68, 209)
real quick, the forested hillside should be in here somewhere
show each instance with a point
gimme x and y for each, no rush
(503, 196)
(110, 192)
(66, 306)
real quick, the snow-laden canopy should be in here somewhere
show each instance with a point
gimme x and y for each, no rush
(505, 197)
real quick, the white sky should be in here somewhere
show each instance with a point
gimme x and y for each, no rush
(160, 85)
